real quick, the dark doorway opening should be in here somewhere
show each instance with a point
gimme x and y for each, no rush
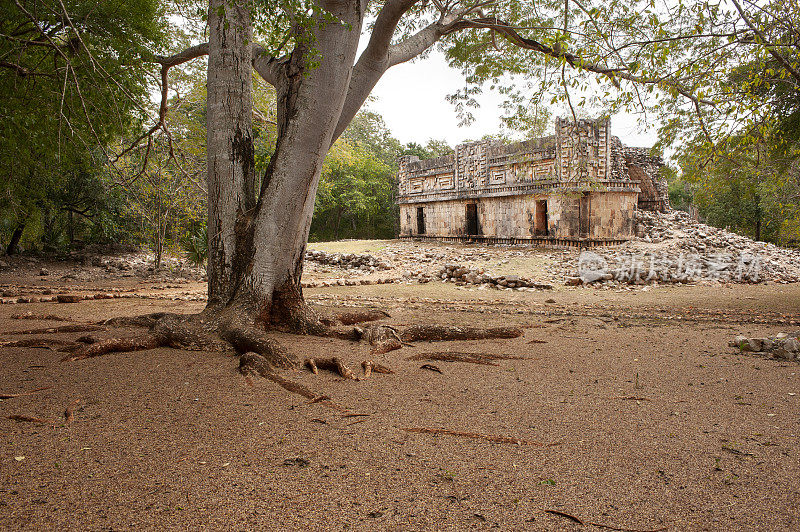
(420, 221)
(540, 221)
(473, 227)
(583, 215)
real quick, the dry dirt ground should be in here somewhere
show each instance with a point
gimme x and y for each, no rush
(625, 410)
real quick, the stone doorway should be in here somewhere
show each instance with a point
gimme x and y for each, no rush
(420, 221)
(540, 220)
(473, 227)
(583, 215)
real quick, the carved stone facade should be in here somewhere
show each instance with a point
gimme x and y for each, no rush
(577, 187)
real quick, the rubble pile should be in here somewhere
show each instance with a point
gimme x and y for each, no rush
(782, 345)
(354, 261)
(455, 273)
(348, 282)
(673, 248)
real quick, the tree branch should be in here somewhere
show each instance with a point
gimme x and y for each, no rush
(267, 66)
(380, 54)
(769, 46)
(166, 63)
(613, 74)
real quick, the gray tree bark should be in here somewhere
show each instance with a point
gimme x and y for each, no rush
(231, 163)
(256, 247)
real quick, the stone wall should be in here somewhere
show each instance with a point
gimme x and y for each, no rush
(646, 168)
(582, 172)
(609, 215)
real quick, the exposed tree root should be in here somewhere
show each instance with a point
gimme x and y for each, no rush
(69, 413)
(47, 343)
(334, 364)
(370, 365)
(431, 367)
(376, 334)
(115, 345)
(192, 333)
(83, 327)
(23, 394)
(289, 312)
(145, 320)
(41, 317)
(486, 359)
(257, 364)
(477, 436)
(361, 316)
(219, 334)
(28, 419)
(251, 339)
(442, 333)
(386, 346)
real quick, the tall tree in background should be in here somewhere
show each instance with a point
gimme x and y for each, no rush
(72, 78)
(356, 193)
(744, 165)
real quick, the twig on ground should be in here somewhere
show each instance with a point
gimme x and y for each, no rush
(566, 516)
(478, 436)
(69, 413)
(23, 394)
(28, 419)
(599, 525)
(486, 359)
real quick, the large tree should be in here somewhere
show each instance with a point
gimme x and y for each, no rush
(308, 50)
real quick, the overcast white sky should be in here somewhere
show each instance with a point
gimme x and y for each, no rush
(411, 98)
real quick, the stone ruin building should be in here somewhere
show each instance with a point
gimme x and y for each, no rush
(579, 187)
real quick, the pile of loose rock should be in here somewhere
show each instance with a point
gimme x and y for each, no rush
(353, 261)
(674, 248)
(782, 345)
(455, 273)
(348, 282)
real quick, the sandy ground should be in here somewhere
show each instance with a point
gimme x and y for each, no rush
(638, 414)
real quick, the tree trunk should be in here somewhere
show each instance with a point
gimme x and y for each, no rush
(231, 163)
(70, 228)
(13, 244)
(159, 237)
(256, 261)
